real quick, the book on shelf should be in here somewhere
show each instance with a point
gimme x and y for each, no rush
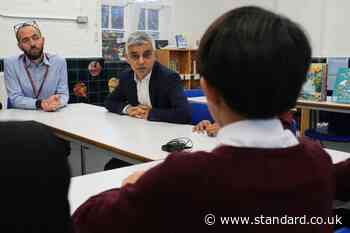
(120, 52)
(174, 65)
(334, 64)
(341, 91)
(194, 67)
(315, 87)
(181, 41)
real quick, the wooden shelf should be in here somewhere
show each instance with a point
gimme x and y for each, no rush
(182, 61)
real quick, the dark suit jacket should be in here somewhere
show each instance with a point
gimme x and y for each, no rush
(169, 103)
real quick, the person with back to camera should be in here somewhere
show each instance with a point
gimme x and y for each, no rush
(252, 173)
(35, 178)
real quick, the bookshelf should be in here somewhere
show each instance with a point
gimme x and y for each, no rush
(183, 62)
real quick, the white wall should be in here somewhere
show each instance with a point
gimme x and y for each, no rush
(326, 21)
(336, 29)
(310, 15)
(57, 22)
(192, 17)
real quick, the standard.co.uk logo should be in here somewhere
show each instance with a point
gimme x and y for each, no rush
(210, 220)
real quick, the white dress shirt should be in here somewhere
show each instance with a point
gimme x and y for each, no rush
(142, 87)
(257, 134)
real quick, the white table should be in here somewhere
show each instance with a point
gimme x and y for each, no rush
(135, 140)
(338, 156)
(83, 187)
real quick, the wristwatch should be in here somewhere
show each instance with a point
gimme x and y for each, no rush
(38, 104)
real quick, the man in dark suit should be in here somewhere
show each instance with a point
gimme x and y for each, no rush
(149, 90)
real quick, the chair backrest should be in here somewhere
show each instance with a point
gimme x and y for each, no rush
(200, 112)
(294, 127)
(314, 134)
(193, 92)
(9, 105)
(3, 93)
(343, 230)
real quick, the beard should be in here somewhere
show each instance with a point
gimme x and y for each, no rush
(34, 54)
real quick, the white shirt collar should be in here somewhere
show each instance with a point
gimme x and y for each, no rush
(146, 79)
(257, 134)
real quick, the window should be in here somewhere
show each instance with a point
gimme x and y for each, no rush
(112, 19)
(105, 16)
(149, 22)
(117, 13)
(119, 18)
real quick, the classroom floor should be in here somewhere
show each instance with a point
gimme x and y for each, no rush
(95, 159)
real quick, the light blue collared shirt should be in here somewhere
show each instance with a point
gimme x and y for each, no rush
(19, 87)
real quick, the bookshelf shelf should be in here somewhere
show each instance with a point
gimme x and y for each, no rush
(183, 62)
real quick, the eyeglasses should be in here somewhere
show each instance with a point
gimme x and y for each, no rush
(18, 26)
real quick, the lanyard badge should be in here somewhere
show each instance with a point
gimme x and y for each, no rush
(35, 91)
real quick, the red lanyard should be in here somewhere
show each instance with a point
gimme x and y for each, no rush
(36, 94)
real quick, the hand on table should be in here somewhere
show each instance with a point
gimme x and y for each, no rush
(140, 111)
(51, 104)
(206, 126)
(131, 179)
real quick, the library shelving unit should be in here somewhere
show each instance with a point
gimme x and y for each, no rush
(182, 61)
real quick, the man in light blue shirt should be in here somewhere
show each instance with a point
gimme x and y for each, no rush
(34, 79)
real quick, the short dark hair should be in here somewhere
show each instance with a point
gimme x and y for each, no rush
(257, 60)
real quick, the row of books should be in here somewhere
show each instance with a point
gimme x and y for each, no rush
(175, 65)
(330, 77)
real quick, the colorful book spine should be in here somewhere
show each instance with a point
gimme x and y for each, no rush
(334, 64)
(341, 92)
(181, 41)
(315, 87)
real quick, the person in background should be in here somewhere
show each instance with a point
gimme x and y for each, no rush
(252, 173)
(35, 79)
(149, 90)
(35, 179)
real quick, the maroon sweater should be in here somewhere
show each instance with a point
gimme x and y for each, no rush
(176, 195)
